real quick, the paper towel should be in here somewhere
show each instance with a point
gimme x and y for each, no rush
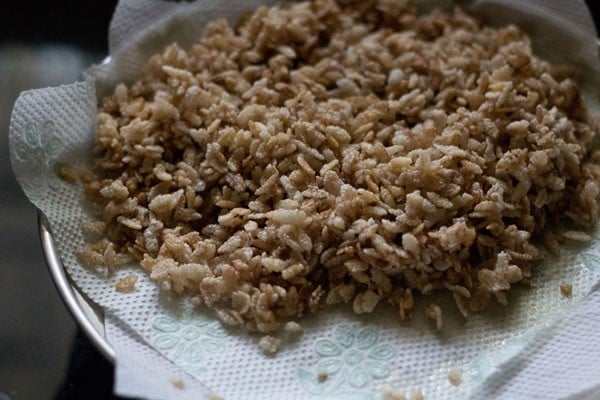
(160, 340)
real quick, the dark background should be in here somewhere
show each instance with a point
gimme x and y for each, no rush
(42, 43)
(83, 24)
(42, 356)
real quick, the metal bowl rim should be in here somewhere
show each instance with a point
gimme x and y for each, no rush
(70, 295)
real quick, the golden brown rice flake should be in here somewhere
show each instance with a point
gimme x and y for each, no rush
(269, 344)
(434, 312)
(68, 174)
(455, 376)
(127, 284)
(322, 377)
(178, 383)
(390, 393)
(416, 394)
(577, 236)
(566, 289)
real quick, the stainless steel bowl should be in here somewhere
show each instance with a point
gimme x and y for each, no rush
(88, 316)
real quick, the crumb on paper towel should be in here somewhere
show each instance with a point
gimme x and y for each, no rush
(127, 284)
(178, 383)
(390, 393)
(68, 174)
(455, 376)
(416, 394)
(322, 377)
(566, 289)
(434, 312)
(214, 396)
(269, 344)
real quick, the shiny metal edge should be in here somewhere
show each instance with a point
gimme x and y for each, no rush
(75, 302)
